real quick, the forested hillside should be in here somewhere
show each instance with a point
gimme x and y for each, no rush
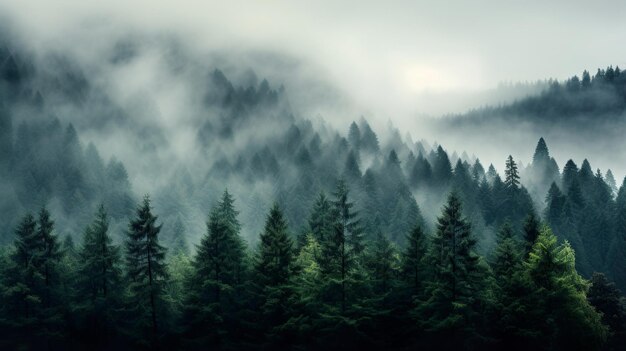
(277, 231)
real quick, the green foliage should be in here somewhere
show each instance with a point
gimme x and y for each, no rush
(564, 318)
(414, 265)
(604, 296)
(216, 284)
(454, 293)
(146, 275)
(99, 282)
(32, 294)
(273, 268)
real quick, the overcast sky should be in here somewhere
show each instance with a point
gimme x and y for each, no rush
(390, 56)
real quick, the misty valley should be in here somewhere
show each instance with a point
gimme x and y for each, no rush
(230, 217)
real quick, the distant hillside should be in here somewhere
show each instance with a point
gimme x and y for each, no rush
(577, 100)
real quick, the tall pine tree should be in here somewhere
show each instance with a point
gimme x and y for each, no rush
(146, 273)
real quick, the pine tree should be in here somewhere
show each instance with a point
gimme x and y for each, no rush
(555, 202)
(604, 296)
(491, 173)
(453, 301)
(99, 280)
(413, 260)
(273, 266)
(49, 259)
(347, 220)
(215, 287)
(321, 220)
(22, 281)
(382, 265)
(541, 155)
(33, 283)
(274, 255)
(610, 181)
(340, 252)
(442, 169)
(354, 136)
(570, 172)
(563, 317)
(511, 174)
(507, 254)
(478, 171)
(531, 231)
(509, 291)
(351, 169)
(146, 272)
(421, 174)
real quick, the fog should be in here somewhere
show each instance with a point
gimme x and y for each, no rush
(388, 58)
(399, 65)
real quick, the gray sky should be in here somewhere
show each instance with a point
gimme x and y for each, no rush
(391, 57)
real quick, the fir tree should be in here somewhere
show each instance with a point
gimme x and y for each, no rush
(215, 286)
(563, 317)
(146, 272)
(421, 174)
(22, 281)
(273, 267)
(354, 136)
(321, 219)
(442, 169)
(413, 260)
(99, 280)
(347, 220)
(531, 231)
(604, 296)
(453, 301)
(511, 174)
(541, 155)
(570, 172)
(509, 291)
(382, 264)
(351, 169)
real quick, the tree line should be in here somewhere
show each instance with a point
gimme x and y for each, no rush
(331, 287)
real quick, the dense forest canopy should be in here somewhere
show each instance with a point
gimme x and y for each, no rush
(280, 231)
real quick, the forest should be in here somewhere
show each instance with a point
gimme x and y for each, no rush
(279, 231)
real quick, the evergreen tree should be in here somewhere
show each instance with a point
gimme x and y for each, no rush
(491, 173)
(511, 174)
(347, 220)
(541, 155)
(421, 174)
(321, 220)
(511, 325)
(555, 202)
(382, 265)
(453, 304)
(531, 231)
(570, 172)
(33, 284)
(413, 260)
(99, 281)
(354, 136)
(604, 296)
(351, 169)
(146, 273)
(215, 287)
(563, 317)
(442, 169)
(610, 181)
(21, 286)
(273, 266)
(478, 171)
